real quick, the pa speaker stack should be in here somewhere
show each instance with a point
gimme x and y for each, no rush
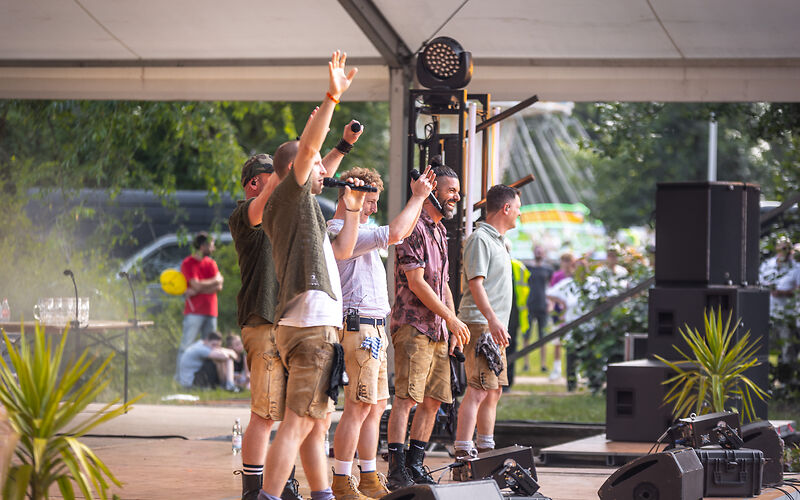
(707, 256)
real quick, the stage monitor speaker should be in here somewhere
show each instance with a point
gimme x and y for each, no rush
(485, 490)
(669, 475)
(634, 396)
(672, 308)
(707, 233)
(764, 437)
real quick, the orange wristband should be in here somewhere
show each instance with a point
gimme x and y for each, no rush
(332, 98)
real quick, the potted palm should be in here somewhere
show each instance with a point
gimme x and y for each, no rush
(42, 400)
(712, 373)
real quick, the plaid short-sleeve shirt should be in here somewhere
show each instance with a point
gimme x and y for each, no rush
(426, 248)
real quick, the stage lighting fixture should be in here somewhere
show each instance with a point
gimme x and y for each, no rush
(444, 64)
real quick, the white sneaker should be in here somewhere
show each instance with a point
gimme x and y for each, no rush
(556, 373)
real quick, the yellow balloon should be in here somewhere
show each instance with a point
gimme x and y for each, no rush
(173, 282)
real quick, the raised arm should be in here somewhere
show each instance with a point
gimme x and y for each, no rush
(403, 224)
(317, 128)
(255, 211)
(345, 242)
(335, 156)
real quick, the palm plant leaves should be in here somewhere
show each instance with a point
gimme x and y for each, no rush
(42, 406)
(713, 370)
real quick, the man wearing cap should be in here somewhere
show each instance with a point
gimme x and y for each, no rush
(203, 281)
(366, 305)
(256, 303)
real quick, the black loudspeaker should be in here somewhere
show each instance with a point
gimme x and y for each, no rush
(707, 233)
(671, 309)
(669, 475)
(764, 437)
(634, 396)
(485, 490)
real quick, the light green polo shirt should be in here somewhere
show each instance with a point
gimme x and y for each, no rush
(485, 255)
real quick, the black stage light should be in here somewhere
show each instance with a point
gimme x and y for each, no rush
(444, 64)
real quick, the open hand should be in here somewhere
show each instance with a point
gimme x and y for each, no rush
(339, 80)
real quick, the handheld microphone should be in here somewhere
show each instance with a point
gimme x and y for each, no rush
(331, 182)
(68, 272)
(133, 294)
(355, 127)
(414, 173)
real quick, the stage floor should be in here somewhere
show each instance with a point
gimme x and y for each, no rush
(201, 466)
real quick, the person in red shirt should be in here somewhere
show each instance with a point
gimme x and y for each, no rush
(203, 281)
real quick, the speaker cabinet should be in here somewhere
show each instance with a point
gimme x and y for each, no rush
(671, 308)
(634, 396)
(764, 437)
(674, 475)
(707, 233)
(485, 489)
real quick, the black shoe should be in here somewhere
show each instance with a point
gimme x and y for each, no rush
(292, 489)
(419, 473)
(251, 485)
(398, 476)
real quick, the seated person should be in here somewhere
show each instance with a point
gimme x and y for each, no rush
(241, 372)
(207, 364)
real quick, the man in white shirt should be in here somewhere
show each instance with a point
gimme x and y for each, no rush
(364, 340)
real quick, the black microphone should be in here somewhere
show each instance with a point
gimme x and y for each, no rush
(355, 127)
(459, 355)
(414, 173)
(133, 294)
(331, 182)
(68, 272)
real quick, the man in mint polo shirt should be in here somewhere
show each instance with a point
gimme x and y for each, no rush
(485, 308)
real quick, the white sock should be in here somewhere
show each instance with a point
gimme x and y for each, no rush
(368, 465)
(463, 445)
(342, 468)
(485, 441)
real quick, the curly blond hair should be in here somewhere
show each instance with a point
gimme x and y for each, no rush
(368, 175)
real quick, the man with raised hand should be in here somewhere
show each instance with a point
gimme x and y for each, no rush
(485, 308)
(366, 306)
(422, 314)
(309, 308)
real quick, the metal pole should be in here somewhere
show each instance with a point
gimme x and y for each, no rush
(470, 178)
(712, 148)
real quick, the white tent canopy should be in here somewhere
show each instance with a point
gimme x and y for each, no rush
(669, 50)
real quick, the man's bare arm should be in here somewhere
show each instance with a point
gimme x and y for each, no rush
(334, 157)
(255, 210)
(317, 127)
(402, 225)
(496, 328)
(426, 295)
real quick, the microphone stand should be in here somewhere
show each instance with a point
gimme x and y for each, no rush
(134, 321)
(68, 272)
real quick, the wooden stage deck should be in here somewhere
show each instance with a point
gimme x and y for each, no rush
(201, 465)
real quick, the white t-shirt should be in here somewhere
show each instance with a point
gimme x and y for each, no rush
(315, 307)
(363, 275)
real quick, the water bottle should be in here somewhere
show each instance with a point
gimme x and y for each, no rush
(236, 439)
(5, 312)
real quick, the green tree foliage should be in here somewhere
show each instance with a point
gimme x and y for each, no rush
(636, 145)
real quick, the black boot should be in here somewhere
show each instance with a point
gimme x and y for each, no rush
(292, 489)
(251, 485)
(398, 476)
(418, 472)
